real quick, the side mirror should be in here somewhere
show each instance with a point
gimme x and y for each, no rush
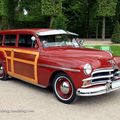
(33, 41)
(33, 38)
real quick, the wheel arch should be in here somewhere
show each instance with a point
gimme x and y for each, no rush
(2, 56)
(54, 74)
(3, 60)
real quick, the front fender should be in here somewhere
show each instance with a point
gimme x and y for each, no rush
(117, 61)
(73, 68)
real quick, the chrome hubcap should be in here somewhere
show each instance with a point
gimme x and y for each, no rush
(1, 70)
(65, 87)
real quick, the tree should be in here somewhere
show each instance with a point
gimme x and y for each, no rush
(7, 13)
(2, 11)
(60, 22)
(28, 10)
(75, 12)
(116, 33)
(10, 13)
(38, 10)
(51, 8)
(106, 8)
(80, 14)
(117, 17)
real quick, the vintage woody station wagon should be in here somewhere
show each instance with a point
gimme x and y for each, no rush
(47, 57)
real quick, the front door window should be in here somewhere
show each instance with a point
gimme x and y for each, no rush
(26, 41)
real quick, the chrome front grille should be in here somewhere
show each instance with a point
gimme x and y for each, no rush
(104, 75)
(101, 76)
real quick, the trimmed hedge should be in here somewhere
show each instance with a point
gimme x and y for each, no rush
(116, 33)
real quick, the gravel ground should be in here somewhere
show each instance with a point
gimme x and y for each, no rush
(23, 101)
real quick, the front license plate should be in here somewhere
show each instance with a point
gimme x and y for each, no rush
(116, 84)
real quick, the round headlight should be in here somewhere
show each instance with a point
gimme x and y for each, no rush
(87, 69)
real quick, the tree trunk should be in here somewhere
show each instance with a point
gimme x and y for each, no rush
(51, 21)
(0, 23)
(103, 28)
(4, 23)
(87, 18)
(97, 30)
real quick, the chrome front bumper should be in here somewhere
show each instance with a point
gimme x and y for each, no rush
(98, 90)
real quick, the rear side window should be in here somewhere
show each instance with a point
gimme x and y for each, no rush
(1, 37)
(10, 40)
(26, 41)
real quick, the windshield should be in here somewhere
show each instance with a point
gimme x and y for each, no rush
(59, 41)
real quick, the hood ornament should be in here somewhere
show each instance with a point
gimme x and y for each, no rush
(114, 65)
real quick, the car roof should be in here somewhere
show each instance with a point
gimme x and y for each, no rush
(23, 30)
(38, 31)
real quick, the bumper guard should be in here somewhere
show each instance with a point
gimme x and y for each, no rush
(99, 90)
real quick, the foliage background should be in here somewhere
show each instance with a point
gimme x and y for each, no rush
(88, 18)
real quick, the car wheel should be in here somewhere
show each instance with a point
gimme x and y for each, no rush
(63, 88)
(3, 76)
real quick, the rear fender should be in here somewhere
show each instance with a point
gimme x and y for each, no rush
(3, 61)
(2, 56)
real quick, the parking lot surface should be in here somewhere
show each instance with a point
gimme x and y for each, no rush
(23, 101)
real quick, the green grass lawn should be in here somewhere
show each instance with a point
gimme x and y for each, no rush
(114, 49)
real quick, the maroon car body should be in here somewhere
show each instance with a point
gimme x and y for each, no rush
(46, 57)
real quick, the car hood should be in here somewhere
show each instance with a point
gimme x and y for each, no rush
(76, 57)
(78, 53)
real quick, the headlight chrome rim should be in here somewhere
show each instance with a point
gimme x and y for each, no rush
(87, 69)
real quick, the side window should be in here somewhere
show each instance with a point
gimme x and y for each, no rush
(26, 41)
(1, 37)
(10, 40)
